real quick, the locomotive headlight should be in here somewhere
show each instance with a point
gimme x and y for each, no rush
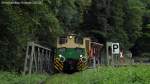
(70, 37)
(83, 58)
(81, 55)
(62, 58)
(60, 55)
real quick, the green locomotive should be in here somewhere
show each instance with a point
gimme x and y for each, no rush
(76, 53)
(72, 53)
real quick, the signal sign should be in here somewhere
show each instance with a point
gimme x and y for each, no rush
(115, 48)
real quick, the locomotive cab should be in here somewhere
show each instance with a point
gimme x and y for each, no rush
(71, 53)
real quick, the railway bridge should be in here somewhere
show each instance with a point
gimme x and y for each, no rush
(38, 59)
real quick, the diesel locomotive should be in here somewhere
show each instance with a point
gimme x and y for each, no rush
(72, 53)
(76, 53)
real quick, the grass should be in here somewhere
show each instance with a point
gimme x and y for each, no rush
(102, 75)
(105, 75)
(14, 78)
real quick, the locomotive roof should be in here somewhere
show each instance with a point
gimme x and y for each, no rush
(71, 35)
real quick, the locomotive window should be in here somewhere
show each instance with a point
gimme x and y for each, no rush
(62, 40)
(79, 40)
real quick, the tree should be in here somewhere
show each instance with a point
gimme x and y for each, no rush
(133, 20)
(96, 19)
(118, 33)
(142, 20)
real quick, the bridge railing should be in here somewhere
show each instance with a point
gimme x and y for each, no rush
(38, 59)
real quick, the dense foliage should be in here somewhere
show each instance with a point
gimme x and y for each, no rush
(124, 21)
